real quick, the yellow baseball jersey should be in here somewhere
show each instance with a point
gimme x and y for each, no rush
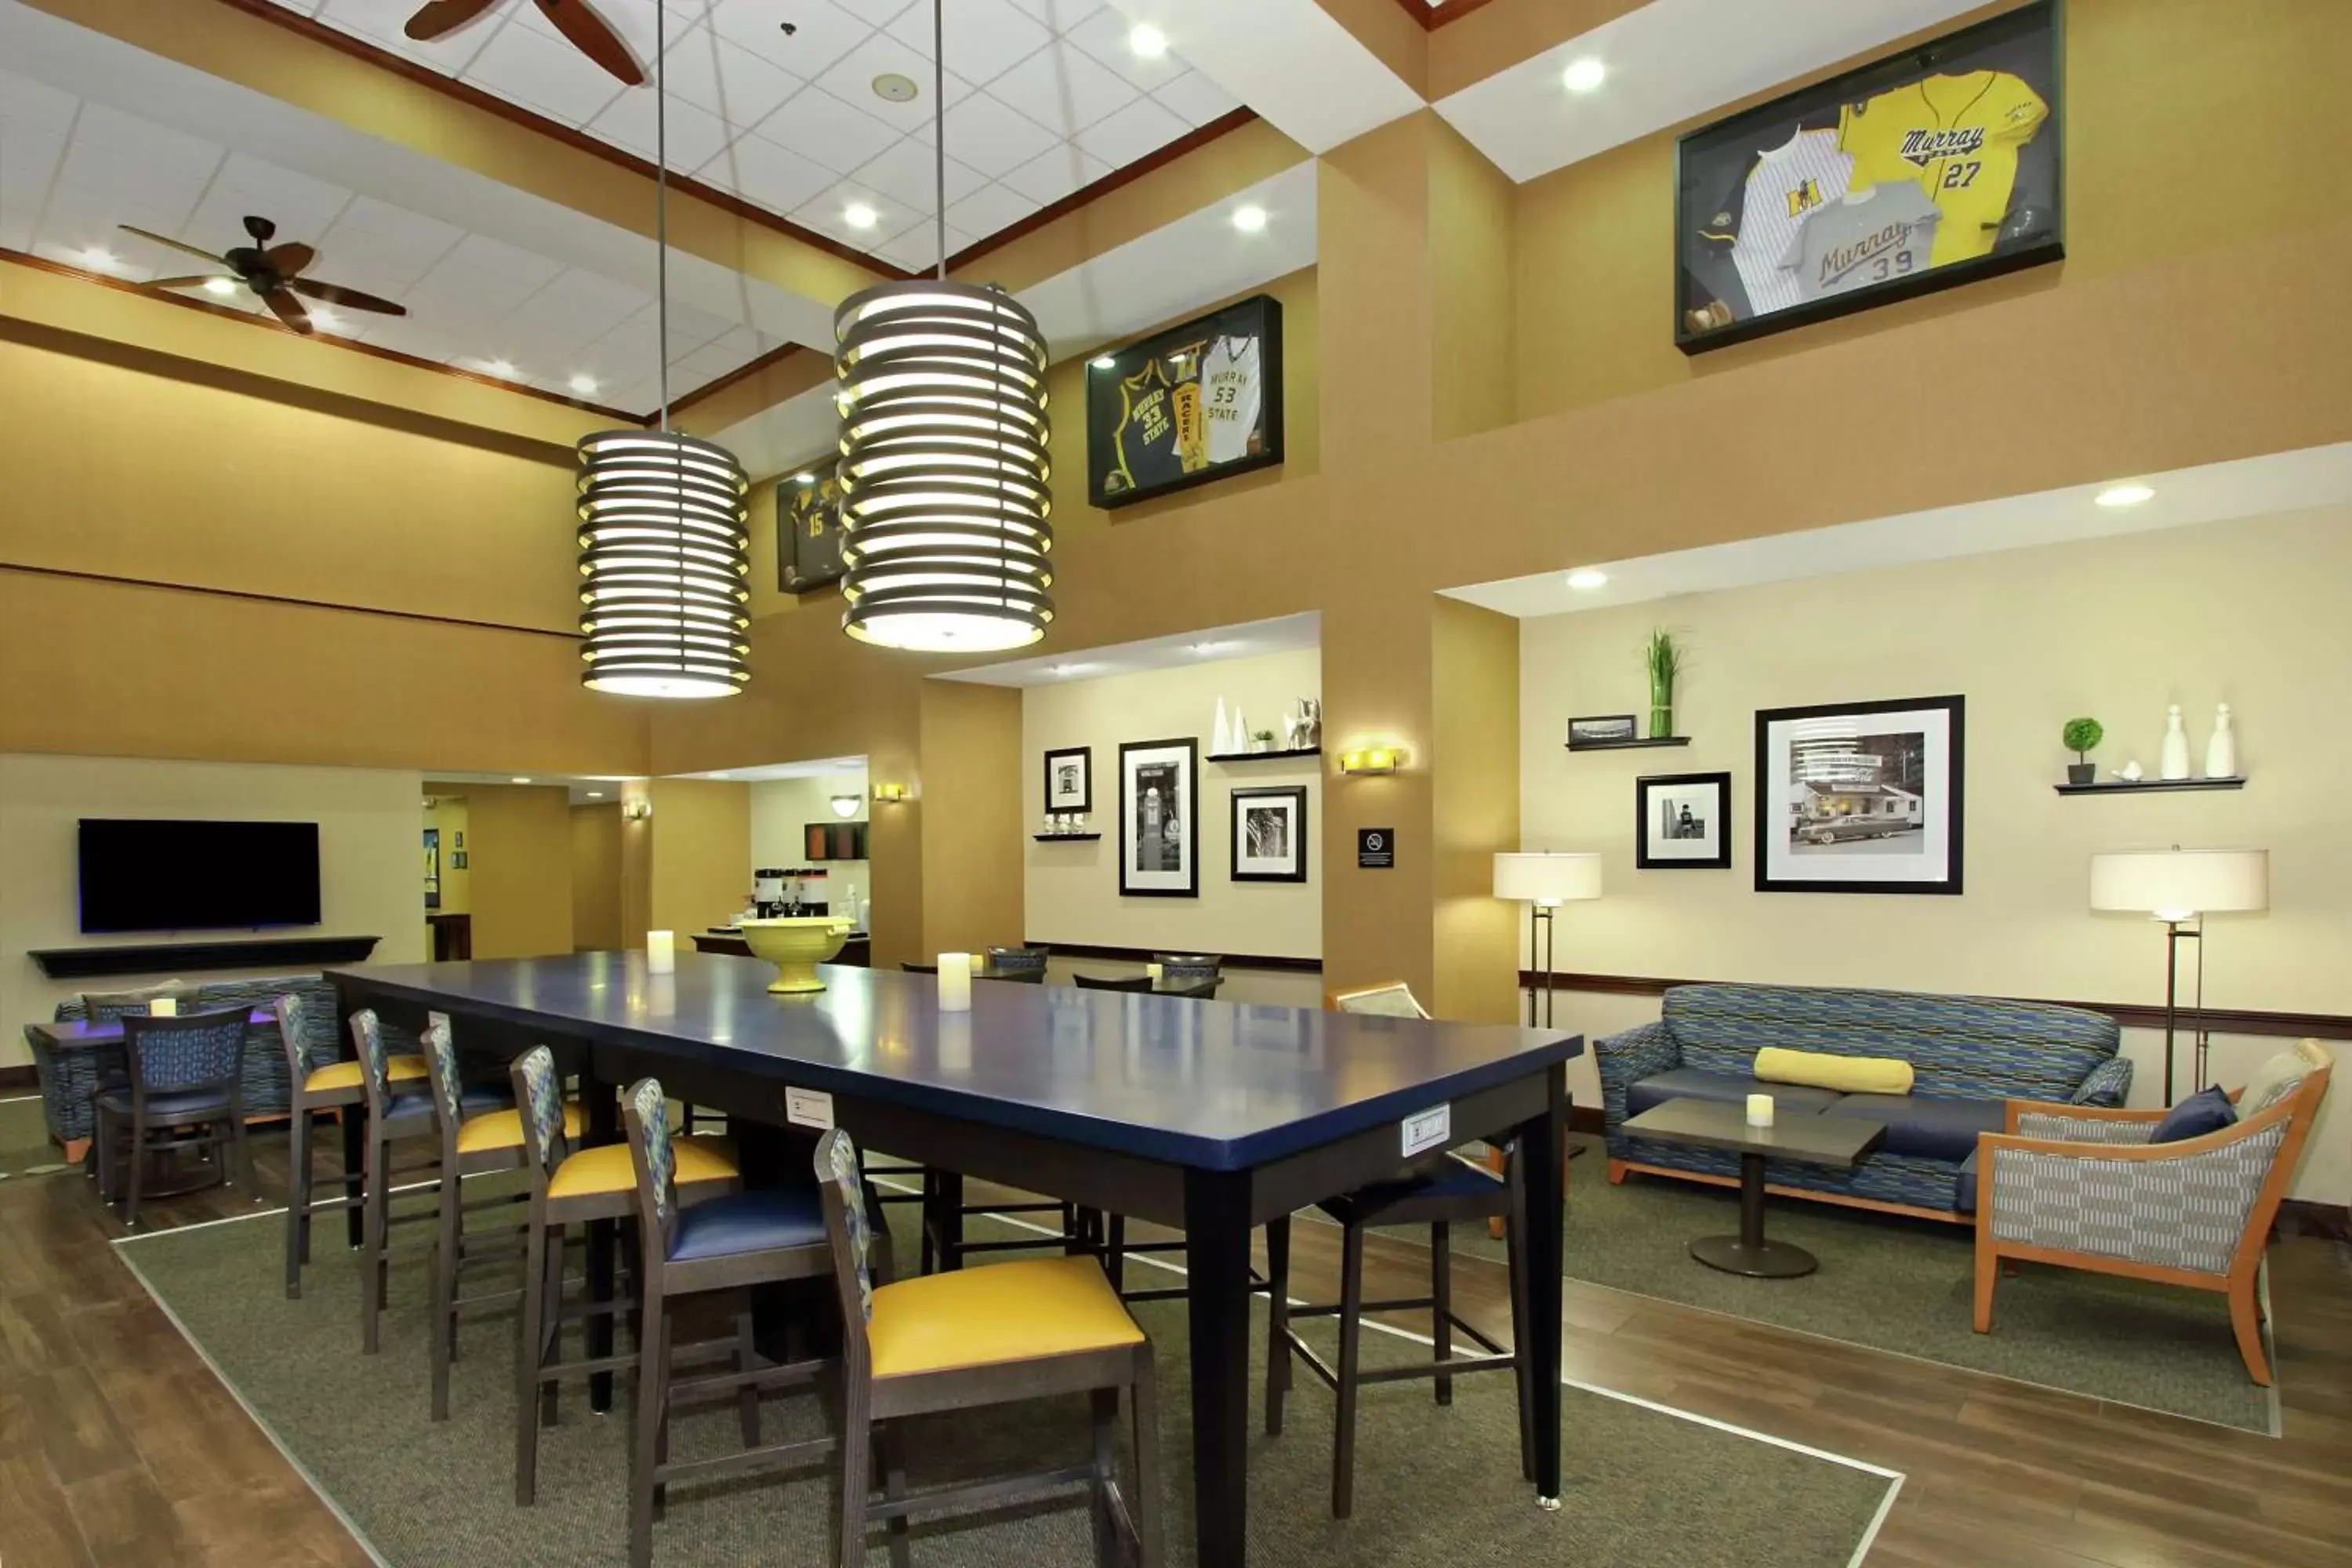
(1956, 136)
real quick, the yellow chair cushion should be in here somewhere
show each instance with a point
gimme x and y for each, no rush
(1847, 1074)
(1003, 1312)
(593, 1172)
(498, 1130)
(346, 1075)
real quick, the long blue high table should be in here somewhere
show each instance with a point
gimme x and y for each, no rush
(1211, 1117)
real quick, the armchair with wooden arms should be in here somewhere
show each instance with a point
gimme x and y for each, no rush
(2084, 1188)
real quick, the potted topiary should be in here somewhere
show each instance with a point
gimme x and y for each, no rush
(2082, 736)
(1261, 741)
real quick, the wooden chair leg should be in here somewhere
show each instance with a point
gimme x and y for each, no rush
(1441, 1312)
(1143, 1501)
(1104, 1402)
(2246, 1322)
(1277, 1321)
(1988, 1272)
(652, 1358)
(856, 1452)
(747, 1363)
(244, 1145)
(374, 1225)
(530, 1357)
(892, 1444)
(1499, 1163)
(1351, 1333)
(137, 1172)
(298, 1198)
(1115, 1252)
(551, 1333)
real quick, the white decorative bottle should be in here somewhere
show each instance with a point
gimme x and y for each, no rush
(1223, 741)
(2174, 761)
(2222, 751)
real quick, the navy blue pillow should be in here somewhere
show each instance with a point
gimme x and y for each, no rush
(2208, 1110)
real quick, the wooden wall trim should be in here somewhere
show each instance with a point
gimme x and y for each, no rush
(1144, 956)
(18, 1080)
(2131, 1014)
(251, 597)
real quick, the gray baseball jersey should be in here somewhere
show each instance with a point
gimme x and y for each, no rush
(1882, 232)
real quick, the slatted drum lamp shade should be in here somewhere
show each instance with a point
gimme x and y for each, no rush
(665, 559)
(943, 468)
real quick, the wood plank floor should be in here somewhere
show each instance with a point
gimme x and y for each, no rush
(117, 1446)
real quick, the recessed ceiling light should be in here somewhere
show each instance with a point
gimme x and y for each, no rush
(857, 215)
(1584, 579)
(322, 317)
(518, 781)
(892, 88)
(595, 795)
(98, 255)
(2123, 495)
(804, 478)
(1205, 648)
(1584, 74)
(503, 369)
(221, 287)
(1148, 41)
(1104, 361)
(1249, 219)
(585, 386)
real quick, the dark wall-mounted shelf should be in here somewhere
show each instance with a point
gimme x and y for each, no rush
(2147, 787)
(1264, 756)
(1629, 745)
(194, 957)
(1065, 837)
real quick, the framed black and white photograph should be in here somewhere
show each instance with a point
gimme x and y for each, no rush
(1158, 819)
(1917, 171)
(1608, 730)
(1683, 821)
(1270, 834)
(1070, 779)
(1861, 797)
(1186, 407)
(808, 535)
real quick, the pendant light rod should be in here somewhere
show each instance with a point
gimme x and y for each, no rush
(661, 199)
(940, 125)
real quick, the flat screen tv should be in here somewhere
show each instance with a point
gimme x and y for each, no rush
(153, 875)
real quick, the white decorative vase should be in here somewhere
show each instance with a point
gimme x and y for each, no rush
(2222, 751)
(2174, 764)
(1241, 732)
(1223, 741)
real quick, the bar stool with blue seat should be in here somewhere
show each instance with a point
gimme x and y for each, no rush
(729, 1243)
(313, 1085)
(185, 1092)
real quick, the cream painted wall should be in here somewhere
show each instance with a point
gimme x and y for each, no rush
(781, 809)
(2247, 613)
(448, 812)
(1072, 890)
(369, 856)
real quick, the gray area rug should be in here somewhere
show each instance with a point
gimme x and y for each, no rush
(1434, 1485)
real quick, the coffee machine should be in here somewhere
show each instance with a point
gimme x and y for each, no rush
(769, 892)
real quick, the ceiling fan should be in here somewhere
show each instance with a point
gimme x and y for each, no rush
(274, 274)
(589, 33)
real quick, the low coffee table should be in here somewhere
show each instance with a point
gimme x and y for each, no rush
(1798, 1135)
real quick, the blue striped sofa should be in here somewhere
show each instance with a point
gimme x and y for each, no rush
(68, 1078)
(1969, 1056)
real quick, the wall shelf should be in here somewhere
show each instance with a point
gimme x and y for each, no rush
(1275, 757)
(2147, 787)
(1065, 837)
(1629, 745)
(168, 957)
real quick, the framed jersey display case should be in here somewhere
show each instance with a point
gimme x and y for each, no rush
(1927, 169)
(808, 535)
(1194, 404)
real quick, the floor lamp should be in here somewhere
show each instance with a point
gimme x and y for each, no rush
(2180, 888)
(1543, 882)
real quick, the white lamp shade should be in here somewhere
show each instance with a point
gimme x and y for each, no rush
(2175, 884)
(1545, 878)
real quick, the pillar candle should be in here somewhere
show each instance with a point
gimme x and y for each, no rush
(1153, 969)
(1759, 1110)
(976, 962)
(955, 982)
(661, 951)
(164, 1007)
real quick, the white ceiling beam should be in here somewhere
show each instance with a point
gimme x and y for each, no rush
(1288, 60)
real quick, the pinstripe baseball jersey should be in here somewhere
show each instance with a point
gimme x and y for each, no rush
(1788, 184)
(1957, 137)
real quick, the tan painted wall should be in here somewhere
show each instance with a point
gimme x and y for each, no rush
(596, 879)
(701, 854)
(368, 857)
(782, 810)
(2247, 612)
(519, 852)
(1474, 809)
(970, 820)
(1073, 888)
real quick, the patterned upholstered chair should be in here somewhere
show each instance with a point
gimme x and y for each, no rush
(185, 1092)
(318, 1082)
(2085, 1189)
(1025, 965)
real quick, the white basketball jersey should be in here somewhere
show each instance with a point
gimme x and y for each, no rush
(1230, 390)
(1788, 184)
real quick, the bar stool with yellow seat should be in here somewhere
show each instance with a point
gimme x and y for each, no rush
(993, 1335)
(316, 1086)
(574, 1186)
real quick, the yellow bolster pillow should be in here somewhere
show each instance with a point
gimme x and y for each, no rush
(1848, 1075)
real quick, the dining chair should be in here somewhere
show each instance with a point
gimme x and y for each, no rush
(314, 1086)
(729, 1243)
(185, 1093)
(108, 1068)
(1141, 983)
(1197, 974)
(1005, 1333)
(1021, 965)
(1454, 1192)
(575, 1187)
(911, 968)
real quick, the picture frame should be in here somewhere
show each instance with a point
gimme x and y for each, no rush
(1070, 779)
(1874, 185)
(1186, 407)
(808, 533)
(1158, 819)
(432, 868)
(1682, 822)
(1606, 729)
(1269, 834)
(1862, 797)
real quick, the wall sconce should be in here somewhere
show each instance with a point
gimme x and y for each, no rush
(845, 806)
(638, 810)
(1372, 760)
(891, 793)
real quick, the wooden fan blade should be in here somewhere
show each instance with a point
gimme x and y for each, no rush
(182, 282)
(443, 16)
(288, 310)
(176, 245)
(593, 36)
(336, 294)
(287, 260)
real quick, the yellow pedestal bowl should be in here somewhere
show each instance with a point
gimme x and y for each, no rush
(796, 945)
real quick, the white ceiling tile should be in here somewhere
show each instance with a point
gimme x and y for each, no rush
(543, 73)
(905, 176)
(31, 108)
(380, 24)
(918, 250)
(826, 130)
(851, 76)
(300, 205)
(1140, 128)
(632, 19)
(1103, 36)
(880, 13)
(1196, 98)
(765, 174)
(592, 303)
(984, 37)
(1061, 15)
(988, 209)
(1064, 88)
(822, 32)
(504, 260)
(824, 216)
(726, 78)
(1048, 179)
(989, 136)
(695, 136)
(166, 153)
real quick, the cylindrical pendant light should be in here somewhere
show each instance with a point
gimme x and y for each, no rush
(943, 465)
(665, 546)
